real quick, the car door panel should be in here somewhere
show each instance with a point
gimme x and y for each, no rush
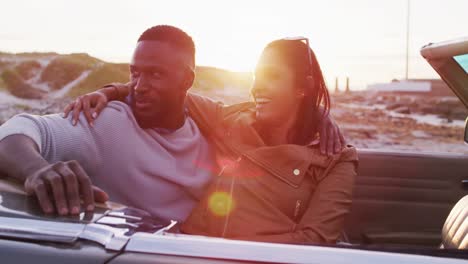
(17, 251)
(404, 198)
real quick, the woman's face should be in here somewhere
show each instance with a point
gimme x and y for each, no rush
(276, 96)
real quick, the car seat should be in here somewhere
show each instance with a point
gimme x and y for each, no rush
(455, 229)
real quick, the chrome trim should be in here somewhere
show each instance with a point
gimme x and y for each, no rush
(165, 229)
(219, 248)
(40, 230)
(60, 232)
(111, 238)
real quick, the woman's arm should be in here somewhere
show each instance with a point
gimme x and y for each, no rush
(207, 113)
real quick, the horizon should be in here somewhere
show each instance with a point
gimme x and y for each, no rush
(362, 39)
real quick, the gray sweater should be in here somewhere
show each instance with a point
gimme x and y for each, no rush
(151, 169)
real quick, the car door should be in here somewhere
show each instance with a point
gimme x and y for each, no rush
(403, 198)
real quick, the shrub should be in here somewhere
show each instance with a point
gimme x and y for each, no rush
(107, 73)
(17, 87)
(27, 69)
(66, 68)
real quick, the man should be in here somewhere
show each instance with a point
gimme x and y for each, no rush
(143, 156)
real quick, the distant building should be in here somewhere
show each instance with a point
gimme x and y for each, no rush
(430, 87)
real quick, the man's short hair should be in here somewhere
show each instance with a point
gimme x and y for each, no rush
(172, 35)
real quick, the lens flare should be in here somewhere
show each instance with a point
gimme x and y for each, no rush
(220, 203)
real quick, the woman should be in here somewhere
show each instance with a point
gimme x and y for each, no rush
(274, 185)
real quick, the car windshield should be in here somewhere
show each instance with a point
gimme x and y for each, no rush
(462, 60)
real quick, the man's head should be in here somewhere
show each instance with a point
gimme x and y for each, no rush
(161, 72)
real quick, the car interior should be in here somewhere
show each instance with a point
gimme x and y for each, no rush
(404, 202)
(416, 202)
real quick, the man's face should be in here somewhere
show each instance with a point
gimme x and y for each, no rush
(158, 73)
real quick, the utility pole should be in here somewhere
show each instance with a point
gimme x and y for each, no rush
(337, 90)
(407, 37)
(347, 85)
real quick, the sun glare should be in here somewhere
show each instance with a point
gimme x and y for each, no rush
(364, 40)
(238, 56)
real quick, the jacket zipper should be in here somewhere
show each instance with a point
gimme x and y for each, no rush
(297, 208)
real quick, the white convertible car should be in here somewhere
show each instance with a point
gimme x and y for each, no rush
(407, 208)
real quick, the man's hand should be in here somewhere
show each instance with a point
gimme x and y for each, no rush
(60, 186)
(331, 138)
(91, 104)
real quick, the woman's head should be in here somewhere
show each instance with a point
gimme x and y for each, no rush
(289, 88)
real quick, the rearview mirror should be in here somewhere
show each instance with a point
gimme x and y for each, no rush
(466, 130)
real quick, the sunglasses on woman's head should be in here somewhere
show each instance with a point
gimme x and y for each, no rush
(309, 55)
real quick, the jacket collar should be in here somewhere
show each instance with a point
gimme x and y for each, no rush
(272, 158)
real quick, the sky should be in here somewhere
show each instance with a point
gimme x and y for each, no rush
(362, 39)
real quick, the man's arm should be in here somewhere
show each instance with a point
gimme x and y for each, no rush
(331, 136)
(20, 159)
(206, 113)
(15, 150)
(57, 185)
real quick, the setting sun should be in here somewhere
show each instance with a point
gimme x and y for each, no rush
(363, 40)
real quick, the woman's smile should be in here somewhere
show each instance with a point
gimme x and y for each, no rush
(261, 102)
